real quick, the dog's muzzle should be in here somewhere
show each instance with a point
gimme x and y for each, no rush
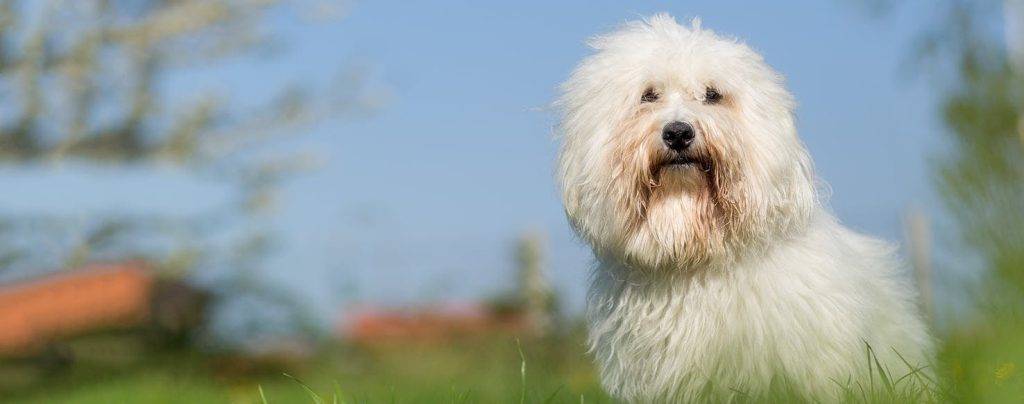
(678, 138)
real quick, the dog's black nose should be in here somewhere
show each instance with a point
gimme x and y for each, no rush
(677, 135)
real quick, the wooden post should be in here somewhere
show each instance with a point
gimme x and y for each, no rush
(918, 235)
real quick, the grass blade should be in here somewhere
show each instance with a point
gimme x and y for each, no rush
(263, 397)
(339, 395)
(554, 394)
(312, 394)
(522, 373)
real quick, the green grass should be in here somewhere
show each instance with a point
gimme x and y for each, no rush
(985, 363)
(494, 370)
(981, 364)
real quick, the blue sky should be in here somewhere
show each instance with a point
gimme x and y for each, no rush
(422, 199)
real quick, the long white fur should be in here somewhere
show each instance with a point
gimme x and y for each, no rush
(704, 289)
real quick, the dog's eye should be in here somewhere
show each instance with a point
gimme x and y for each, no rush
(649, 96)
(712, 96)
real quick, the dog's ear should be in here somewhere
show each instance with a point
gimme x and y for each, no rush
(577, 208)
(571, 203)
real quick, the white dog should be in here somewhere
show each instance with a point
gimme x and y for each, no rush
(720, 270)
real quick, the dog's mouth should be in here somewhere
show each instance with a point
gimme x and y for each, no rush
(683, 161)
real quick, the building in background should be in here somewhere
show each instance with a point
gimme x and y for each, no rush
(528, 310)
(435, 324)
(36, 313)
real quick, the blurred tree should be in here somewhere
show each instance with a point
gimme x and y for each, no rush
(982, 176)
(84, 82)
(981, 179)
(975, 50)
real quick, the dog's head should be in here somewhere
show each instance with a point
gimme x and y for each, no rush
(679, 148)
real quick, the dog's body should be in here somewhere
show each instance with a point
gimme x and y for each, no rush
(802, 314)
(720, 270)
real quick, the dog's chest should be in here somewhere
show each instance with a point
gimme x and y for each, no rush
(745, 327)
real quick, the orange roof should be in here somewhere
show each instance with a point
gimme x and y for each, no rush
(374, 325)
(101, 295)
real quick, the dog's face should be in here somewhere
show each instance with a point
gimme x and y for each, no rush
(680, 148)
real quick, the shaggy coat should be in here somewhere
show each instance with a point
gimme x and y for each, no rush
(720, 270)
